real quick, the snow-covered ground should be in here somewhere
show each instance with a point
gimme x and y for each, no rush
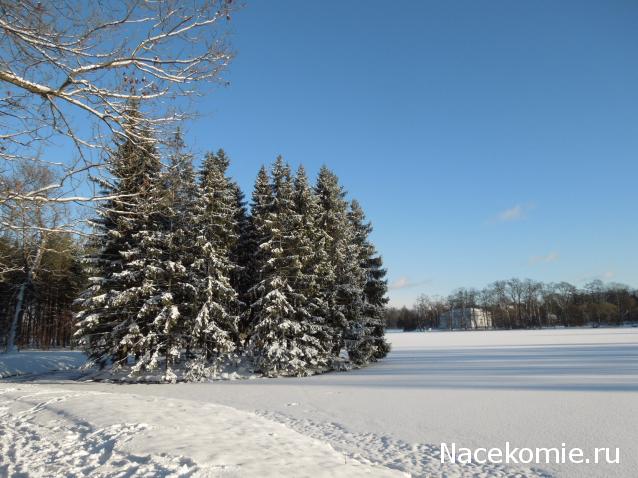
(72, 432)
(36, 362)
(477, 389)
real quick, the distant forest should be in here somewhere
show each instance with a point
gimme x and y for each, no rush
(526, 304)
(46, 292)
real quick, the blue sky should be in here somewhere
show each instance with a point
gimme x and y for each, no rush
(485, 139)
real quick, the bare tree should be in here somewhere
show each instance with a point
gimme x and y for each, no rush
(564, 296)
(70, 69)
(516, 290)
(422, 309)
(620, 293)
(500, 292)
(428, 310)
(532, 297)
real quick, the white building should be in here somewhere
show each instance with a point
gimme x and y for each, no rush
(470, 318)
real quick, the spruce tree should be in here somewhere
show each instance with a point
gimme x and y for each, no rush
(156, 277)
(179, 180)
(139, 305)
(261, 206)
(370, 344)
(214, 327)
(105, 319)
(168, 253)
(344, 279)
(241, 255)
(184, 277)
(156, 263)
(282, 341)
(310, 262)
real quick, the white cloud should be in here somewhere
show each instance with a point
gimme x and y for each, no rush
(551, 257)
(514, 213)
(401, 283)
(404, 282)
(511, 214)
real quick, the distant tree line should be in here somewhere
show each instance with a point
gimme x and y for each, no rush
(36, 302)
(526, 304)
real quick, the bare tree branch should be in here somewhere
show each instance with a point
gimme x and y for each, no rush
(69, 71)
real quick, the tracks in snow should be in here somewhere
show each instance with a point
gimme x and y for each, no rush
(34, 442)
(78, 433)
(419, 460)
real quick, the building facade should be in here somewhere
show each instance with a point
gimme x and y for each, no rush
(465, 319)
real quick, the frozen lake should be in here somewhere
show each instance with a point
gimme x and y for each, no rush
(536, 388)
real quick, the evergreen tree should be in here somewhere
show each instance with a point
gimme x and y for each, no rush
(282, 341)
(182, 276)
(344, 279)
(166, 256)
(370, 344)
(159, 297)
(139, 304)
(242, 255)
(261, 206)
(157, 291)
(157, 264)
(105, 318)
(180, 181)
(310, 262)
(215, 324)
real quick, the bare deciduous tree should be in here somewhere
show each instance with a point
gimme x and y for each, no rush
(69, 70)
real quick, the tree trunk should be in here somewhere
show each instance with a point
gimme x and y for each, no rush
(17, 317)
(20, 302)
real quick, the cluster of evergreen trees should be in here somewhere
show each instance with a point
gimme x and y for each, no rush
(184, 280)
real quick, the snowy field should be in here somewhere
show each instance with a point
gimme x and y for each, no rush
(476, 389)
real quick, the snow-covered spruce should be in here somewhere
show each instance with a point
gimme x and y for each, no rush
(286, 336)
(186, 284)
(214, 328)
(108, 322)
(344, 277)
(369, 344)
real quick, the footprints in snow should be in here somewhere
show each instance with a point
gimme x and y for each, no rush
(66, 446)
(419, 460)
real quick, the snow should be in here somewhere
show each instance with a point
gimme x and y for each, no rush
(30, 362)
(72, 432)
(535, 388)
